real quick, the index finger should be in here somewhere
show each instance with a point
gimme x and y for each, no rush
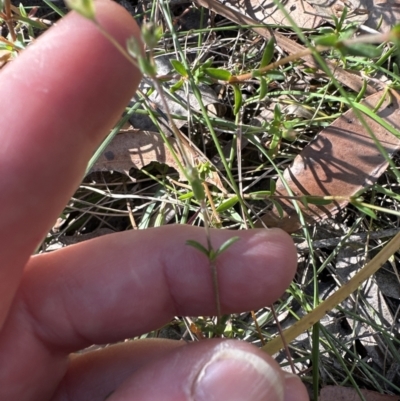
(63, 94)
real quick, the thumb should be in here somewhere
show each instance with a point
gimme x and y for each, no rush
(212, 370)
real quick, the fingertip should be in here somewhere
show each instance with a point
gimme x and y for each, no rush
(274, 244)
(294, 388)
(280, 248)
(238, 373)
(259, 267)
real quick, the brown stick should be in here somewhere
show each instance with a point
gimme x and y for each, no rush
(9, 19)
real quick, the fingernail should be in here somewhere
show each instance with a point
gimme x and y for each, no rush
(234, 374)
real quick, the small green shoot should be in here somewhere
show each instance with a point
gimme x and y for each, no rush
(365, 209)
(226, 205)
(212, 256)
(268, 53)
(218, 73)
(196, 183)
(226, 245)
(179, 68)
(238, 99)
(151, 34)
(177, 85)
(263, 88)
(85, 8)
(211, 253)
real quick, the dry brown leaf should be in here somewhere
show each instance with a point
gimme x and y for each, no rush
(340, 161)
(351, 80)
(367, 12)
(338, 393)
(135, 149)
(267, 12)
(311, 13)
(356, 10)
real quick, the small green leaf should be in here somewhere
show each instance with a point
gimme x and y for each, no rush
(82, 7)
(275, 75)
(277, 114)
(325, 30)
(359, 49)
(289, 134)
(260, 194)
(218, 73)
(238, 99)
(228, 243)
(208, 62)
(151, 34)
(379, 23)
(369, 212)
(147, 67)
(177, 85)
(21, 9)
(396, 69)
(54, 8)
(227, 204)
(188, 195)
(179, 68)
(195, 183)
(316, 200)
(326, 40)
(361, 94)
(268, 53)
(272, 186)
(198, 246)
(205, 170)
(263, 88)
(342, 19)
(279, 208)
(335, 20)
(275, 141)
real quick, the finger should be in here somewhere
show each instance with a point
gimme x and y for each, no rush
(294, 388)
(99, 374)
(63, 95)
(95, 375)
(208, 370)
(125, 284)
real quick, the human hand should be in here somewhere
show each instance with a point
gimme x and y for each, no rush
(60, 98)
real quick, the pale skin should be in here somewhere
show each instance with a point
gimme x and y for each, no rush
(59, 100)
